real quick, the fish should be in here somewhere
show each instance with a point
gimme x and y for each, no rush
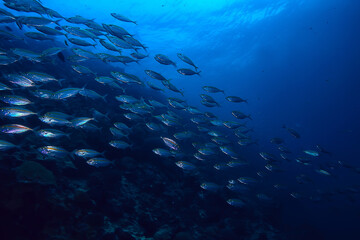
(77, 122)
(247, 180)
(15, 100)
(206, 151)
(52, 133)
(119, 144)
(53, 151)
(211, 89)
(80, 42)
(34, 21)
(14, 129)
(162, 152)
(49, 31)
(99, 162)
(185, 165)
(312, 153)
(268, 156)
(15, 112)
(66, 93)
(109, 46)
(122, 18)
(292, 132)
(235, 99)
(240, 115)
(322, 150)
(155, 75)
(187, 72)
(78, 20)
(229, 151)
(162, 59)
(87, 153)
(138, 56)
(170, 143)
(237, 163)
(38, 36)
(236, 202)
(20, 80)
(186, 60)
(209, 186)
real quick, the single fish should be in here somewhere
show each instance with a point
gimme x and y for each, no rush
(99, 162)
(187, 72)
(187, 60)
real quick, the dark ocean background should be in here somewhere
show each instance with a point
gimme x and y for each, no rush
(296, 62)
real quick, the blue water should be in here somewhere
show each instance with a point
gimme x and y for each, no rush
(296, 62)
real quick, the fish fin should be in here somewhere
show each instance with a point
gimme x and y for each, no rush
(198, 73)
(249, 116)
(104, 97)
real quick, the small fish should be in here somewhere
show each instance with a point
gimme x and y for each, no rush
(119, 144)
(237, 163)
(51, 133)
(187, 72)
(235, 99)
(240, 115)
(66, 93)
(323, 172)
(162, 152)
(292, 132)
(87, 153)
(15, 100)
(170, 143)
(53, 151)
(185, 165)
(187, 60)
(13, 112)
(155, 75)
(99, 162)
(122, 18)
(206, 151)
(117, 133)
(247, 180)
(80, 121)
(209, 186)
(236, 202)
(211, 89)
(228, 151)
(268, 156)
(162, 59)
(312, 153)
(14, 129)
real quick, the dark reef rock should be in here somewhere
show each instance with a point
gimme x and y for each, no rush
(33, 172)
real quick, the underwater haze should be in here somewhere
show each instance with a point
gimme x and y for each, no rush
(159, 120)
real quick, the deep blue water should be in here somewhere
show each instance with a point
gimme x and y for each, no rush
(296, 62)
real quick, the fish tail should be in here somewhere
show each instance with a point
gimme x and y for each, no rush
(57, 22)
(198, 73)
(249, 117)
(104, 97)
(19, 24)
